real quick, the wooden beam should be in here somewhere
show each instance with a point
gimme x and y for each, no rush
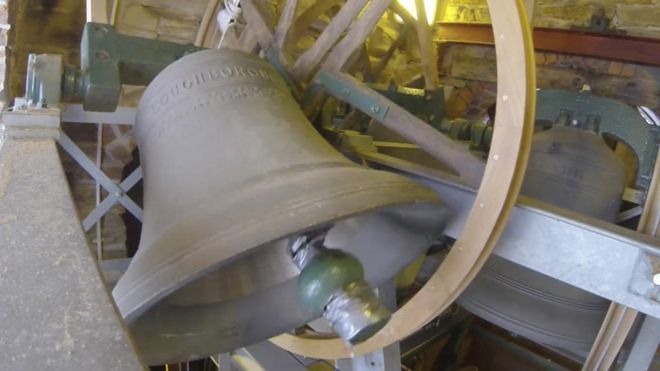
(308, 61)
(305, 20)
(356, 36)
(248, 40)
(453, 154)
(613, 47)
(284, 24)
(96, 11)
(382, 63)
(403, 13)
(619, 319)
(426, 48)
(256, 22)
(209, 15)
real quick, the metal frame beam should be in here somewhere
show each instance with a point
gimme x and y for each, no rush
(597, 45)
(598, 257)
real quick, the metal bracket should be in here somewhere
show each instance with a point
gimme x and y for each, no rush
(43, 82)
(110, 201)
(273, 57)
(109, 59)
(117, 192)
(357, 98)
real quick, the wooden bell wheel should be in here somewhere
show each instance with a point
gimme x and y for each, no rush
(498, 184)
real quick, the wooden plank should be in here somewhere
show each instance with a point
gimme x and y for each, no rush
(256, 22)
(616, 326)
(614, 47)
(403, 13)
(311, 58)
(448, 151)
(284, 24)
(113, 12)
(209, 15)
(382, 63)
(248, 40)
(356, 36)
(96, 11)
(426, 48)
(619, 319)
(306, 19)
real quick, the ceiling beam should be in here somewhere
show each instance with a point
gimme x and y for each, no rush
(614, 47)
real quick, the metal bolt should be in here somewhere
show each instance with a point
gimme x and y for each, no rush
(374, 109)
(102, 55)
(346, 92)
(656, 279)
(100, 31)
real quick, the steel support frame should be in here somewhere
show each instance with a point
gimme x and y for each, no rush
(598, 257)
(117, 192)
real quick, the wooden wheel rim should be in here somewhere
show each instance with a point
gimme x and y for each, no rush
(497, 194)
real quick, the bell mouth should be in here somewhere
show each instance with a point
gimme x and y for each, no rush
(385, 224)
(231, 167)
(384, 240)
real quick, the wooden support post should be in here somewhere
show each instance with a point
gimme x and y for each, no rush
(356, 35)
(256, 21)
(248, 41)
(378, 69)
(307, 62)
(96, 11)
(305, 20)
(426, 48)
(453, 154)
(209, 15)
(284, 24)
(619, 319)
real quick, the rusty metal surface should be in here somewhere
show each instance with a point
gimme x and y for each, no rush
(615, 47)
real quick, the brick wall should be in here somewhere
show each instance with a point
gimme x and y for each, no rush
(473, 70)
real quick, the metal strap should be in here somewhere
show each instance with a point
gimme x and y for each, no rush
(115, 190)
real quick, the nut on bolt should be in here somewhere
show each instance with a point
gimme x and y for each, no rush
(655, 266)
(374, 109)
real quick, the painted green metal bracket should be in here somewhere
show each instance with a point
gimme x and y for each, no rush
(109, 59)
(354, 97)
(428, 105)
(272, 56)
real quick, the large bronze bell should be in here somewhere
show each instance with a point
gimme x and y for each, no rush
(232, 171)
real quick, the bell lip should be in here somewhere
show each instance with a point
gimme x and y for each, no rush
(136, 296)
